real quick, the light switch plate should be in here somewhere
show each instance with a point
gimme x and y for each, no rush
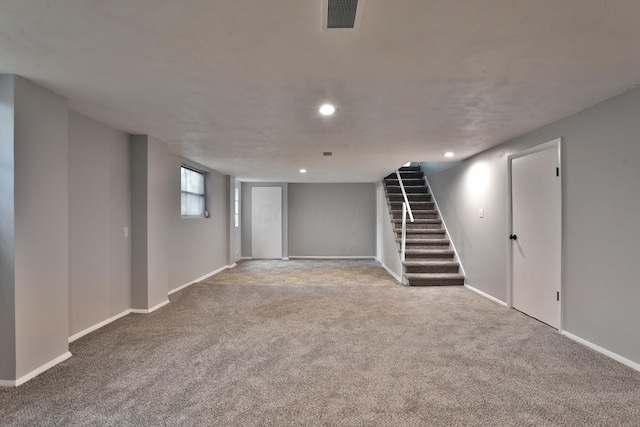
(481, 213)
(126, 232)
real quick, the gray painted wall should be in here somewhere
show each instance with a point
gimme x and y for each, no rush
(198, 245)
(41, 226)
(245, 216)
(601, 236)
(7, 232)
(332, 220)
(99, 210)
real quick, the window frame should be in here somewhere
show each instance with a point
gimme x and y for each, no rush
(205, 213)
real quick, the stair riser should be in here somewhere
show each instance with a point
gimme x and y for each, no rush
(412, 182)
(428, 257)
(397, 190)
(406, 175)
(439, 282)
(412, 198)
(432, 269)
(410, 175)
(426, 206)
(416, 215)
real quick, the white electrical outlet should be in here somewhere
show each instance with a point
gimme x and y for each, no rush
(126, 232)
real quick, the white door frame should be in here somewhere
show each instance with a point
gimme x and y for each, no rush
(555, 143)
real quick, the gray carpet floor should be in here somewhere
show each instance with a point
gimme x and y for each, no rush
(335, 343)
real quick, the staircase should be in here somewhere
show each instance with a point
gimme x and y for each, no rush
(429, 258)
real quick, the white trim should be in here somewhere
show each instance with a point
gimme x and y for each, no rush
(246, 257)
(201, 278)
(446, 230)
(614, 356)
(478, 291)
(557, 143)
(149, 310)
(395, 276)
(90, 329)
(285, 258)
(333, 257)
(36, 372)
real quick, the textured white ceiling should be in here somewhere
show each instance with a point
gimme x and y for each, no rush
(235, 85)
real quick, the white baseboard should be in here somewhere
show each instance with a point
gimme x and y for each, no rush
(614, 356)
(149, 310)
(80, 334)
(333, 257)
(246, 257)
(35, 372)
(201, 278)
(494, 299)
(391, 272)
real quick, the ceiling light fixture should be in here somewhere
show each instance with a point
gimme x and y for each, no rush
(327, 109)
(449, 154)
(303, 171)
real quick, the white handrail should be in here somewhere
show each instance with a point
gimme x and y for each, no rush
(404, 232)
(406, 208)
(404, 195)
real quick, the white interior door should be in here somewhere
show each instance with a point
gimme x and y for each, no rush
(266, 222)
(536, 220)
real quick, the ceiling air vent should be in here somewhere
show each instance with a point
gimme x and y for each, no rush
(341, 14)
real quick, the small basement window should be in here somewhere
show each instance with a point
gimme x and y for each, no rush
(192, 193)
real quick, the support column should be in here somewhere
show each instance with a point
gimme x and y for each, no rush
(34, 230)
(150, 207)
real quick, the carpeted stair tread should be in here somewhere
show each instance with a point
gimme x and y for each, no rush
(429, 242)
(415, 211)
(418, 263)
(421, 230)
(419, 205)
(428, 253)
(418, 221)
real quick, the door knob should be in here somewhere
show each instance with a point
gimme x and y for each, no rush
(513, 237)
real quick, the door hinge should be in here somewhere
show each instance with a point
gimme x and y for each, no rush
(557, 296)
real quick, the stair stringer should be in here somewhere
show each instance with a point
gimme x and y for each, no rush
(390, 259)
(446, 230)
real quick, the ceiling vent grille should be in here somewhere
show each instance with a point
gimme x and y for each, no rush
(341, 13)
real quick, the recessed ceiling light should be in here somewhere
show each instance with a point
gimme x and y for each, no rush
(449, 154)
(303, 171)
(327, 109)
